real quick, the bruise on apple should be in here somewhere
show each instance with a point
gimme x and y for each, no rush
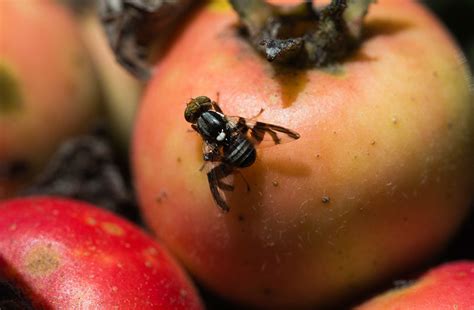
(302, 34)
(42, 260)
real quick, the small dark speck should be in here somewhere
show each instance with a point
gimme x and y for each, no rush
(435, 73)
(405, 219)
(373, 142)
(318, 156)
(161, 197)
(241, 218)
(334, 132)
(325, 199)
(275, 183)
(178, 159)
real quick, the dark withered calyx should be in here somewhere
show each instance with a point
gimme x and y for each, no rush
(302, 34)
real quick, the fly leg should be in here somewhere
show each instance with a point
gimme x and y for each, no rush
(215, 177)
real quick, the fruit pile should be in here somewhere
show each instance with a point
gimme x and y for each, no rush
(104, 208)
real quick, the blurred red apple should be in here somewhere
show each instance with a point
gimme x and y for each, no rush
(66, 254)
(378, 182)
(48, 90)
(449, 286)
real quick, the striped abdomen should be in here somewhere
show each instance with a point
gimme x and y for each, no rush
(240, 152)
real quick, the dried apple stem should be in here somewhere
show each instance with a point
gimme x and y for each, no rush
(303, 34)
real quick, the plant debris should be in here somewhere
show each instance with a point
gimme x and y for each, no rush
(302, 34)
(132, 26)
(84, 168)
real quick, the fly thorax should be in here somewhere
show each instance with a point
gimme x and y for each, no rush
(212, 126)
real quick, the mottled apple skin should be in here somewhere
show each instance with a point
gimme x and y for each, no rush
(66, 254)
(449, 286)
(379, 181)
(48, 90)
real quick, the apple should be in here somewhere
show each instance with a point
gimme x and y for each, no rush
(67, 254)
(48, 90)
(121, 91)
(379, 181)
(449, 286)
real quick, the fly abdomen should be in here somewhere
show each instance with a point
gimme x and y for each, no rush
(240, 152)
(211, 124)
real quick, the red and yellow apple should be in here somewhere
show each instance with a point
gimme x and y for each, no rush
(48, 90)
(449, 286)
(378, 182)
(66, 254)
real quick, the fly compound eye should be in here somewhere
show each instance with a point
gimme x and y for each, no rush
(202, 100)
(191, 112)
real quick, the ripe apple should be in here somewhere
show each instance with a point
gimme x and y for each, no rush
(48, 91)
(66, 254)
(449, 286)
(378, 182)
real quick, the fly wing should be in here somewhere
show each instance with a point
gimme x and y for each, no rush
(263, 134)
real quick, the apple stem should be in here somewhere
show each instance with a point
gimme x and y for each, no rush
(302, 34)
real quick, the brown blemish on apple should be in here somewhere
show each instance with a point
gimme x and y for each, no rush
(275, 183)
(42, 260)
(162, 196)
(292, 82)
(10, 93)
(112, 229)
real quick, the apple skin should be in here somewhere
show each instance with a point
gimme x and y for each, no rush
(449, 286)
(386, 137)
(66, 254)
(48, 88)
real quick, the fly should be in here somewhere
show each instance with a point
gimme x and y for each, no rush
(230, 141)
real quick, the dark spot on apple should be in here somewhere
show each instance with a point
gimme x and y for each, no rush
(161, 196)
(10, 93)
(275, 183)
(241, 218)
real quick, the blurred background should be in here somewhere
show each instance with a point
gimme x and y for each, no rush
(458, 16)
